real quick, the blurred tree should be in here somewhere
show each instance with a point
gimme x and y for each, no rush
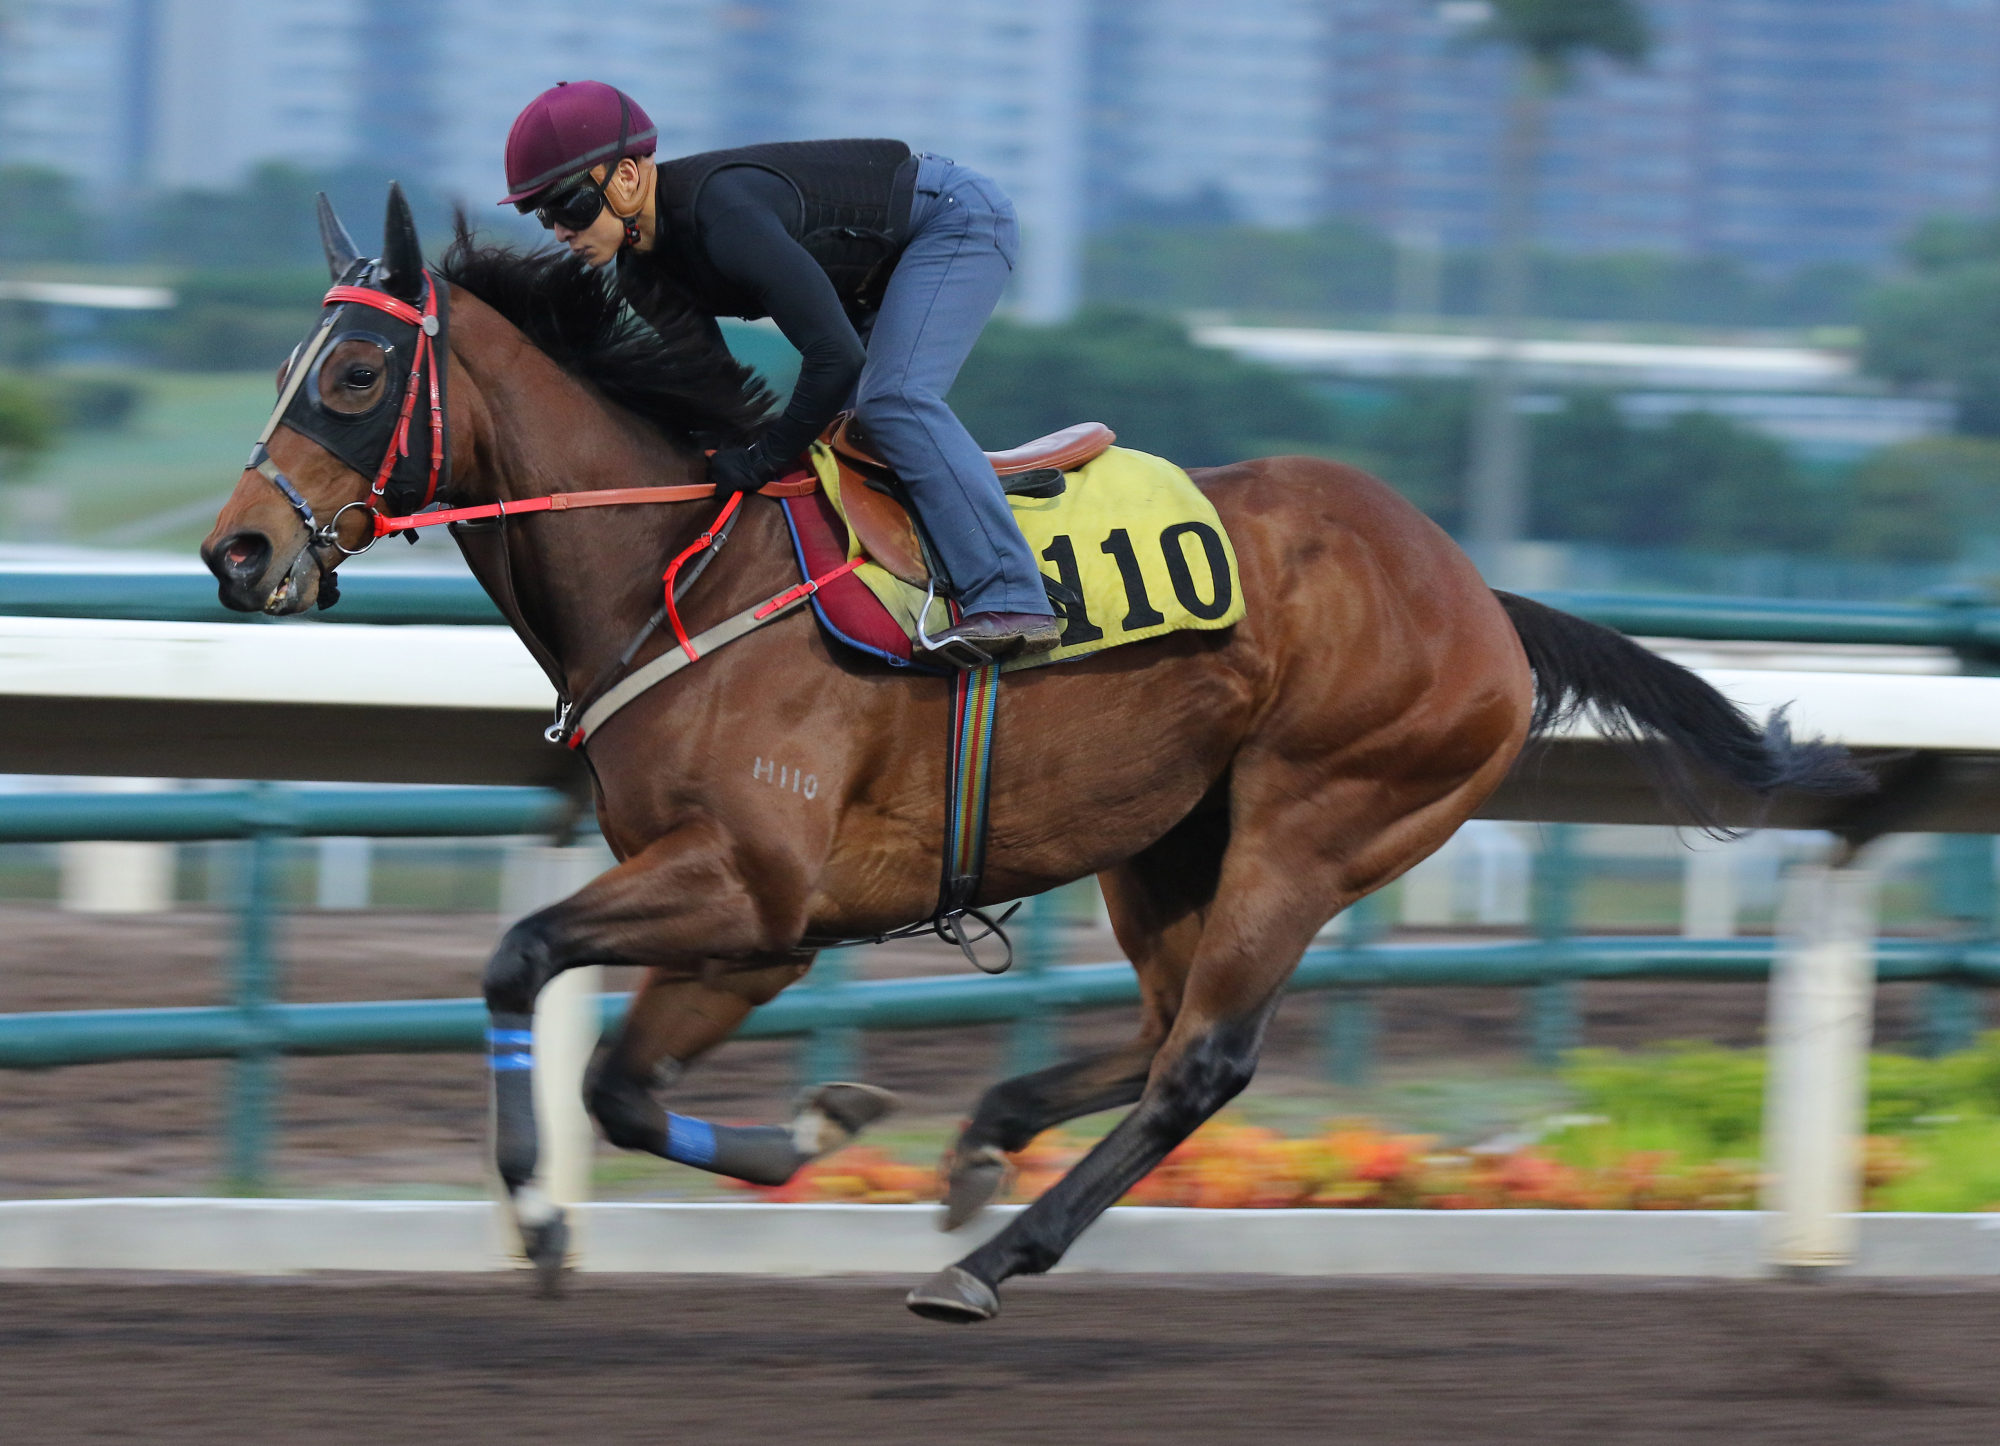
(1697, 480)
(40, 219)
(1345, 270)
(269, 221)
(246, 320)
(1547, 37)
(27, 424)
(1944, 243)
(1942, 326)
(1417, 440)
(1142, 375)
(1333, 269)
(1919, 501)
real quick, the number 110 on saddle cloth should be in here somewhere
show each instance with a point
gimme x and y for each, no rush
(1130, 534)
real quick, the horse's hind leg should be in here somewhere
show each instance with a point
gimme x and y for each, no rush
(1278, 887)
(1014, 1111)
(1156, 903)
(675, 1020)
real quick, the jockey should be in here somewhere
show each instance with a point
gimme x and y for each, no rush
(880, 266)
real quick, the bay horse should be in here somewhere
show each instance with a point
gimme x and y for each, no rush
(1231, 791)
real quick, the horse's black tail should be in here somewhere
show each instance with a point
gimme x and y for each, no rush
(1638, 697)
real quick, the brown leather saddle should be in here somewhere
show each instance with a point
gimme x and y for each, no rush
(882, 523)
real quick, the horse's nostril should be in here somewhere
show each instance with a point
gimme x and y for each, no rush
(240, 558)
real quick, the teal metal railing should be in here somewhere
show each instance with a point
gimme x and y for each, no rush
(831, 1010)
(256, 1027)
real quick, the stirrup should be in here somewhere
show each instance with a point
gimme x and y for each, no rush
(955, 651)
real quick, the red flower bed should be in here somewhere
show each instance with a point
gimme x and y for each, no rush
(1233, 1166)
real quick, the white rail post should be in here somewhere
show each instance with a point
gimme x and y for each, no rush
(1430, 889)
(344, 868)
(533, 876)
(1822, 1000)
(107, 877)
(1710, 898)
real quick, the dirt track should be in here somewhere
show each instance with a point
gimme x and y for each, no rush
(382, 1360)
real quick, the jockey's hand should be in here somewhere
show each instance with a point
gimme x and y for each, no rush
(739, 469)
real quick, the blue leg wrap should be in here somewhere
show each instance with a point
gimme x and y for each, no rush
(690, 1141)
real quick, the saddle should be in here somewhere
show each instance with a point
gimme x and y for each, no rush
(882, 521)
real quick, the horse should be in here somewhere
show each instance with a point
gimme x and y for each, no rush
(1232, 791)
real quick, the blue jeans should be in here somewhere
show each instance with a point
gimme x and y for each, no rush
(964, 241)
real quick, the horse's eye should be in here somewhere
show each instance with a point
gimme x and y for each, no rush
(360, 378)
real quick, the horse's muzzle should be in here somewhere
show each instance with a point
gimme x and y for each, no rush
(243, 569)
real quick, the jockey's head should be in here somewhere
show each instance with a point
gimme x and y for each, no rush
(580, 158)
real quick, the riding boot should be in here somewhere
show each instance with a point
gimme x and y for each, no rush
(995, 637)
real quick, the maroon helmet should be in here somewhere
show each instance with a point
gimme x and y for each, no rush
(570, 128)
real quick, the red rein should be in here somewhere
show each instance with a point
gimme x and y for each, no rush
(426, 362)
(566, 501)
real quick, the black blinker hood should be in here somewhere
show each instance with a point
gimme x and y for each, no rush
(363, 441)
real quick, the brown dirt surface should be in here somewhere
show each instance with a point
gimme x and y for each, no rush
(414, 1125)
(1075, 1359)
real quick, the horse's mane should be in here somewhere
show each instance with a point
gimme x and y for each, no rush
(667, 369)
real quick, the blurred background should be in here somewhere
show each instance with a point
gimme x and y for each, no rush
(1692, 295)
(1671, 296)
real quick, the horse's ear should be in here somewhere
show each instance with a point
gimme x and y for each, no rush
(402, 271)
(341, 253)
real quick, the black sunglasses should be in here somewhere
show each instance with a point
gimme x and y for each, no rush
(574, 206)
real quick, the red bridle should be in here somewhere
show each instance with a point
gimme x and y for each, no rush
(424, 363)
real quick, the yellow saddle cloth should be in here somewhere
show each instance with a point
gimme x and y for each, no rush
(1130, 534)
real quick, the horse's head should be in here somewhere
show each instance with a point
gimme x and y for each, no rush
(358, 429)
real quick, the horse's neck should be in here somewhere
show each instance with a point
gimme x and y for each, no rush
(584, 581)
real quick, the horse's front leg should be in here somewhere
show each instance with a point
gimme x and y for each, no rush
(675, 1020)
(674, 905)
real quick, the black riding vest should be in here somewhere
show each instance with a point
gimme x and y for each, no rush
(854, 211)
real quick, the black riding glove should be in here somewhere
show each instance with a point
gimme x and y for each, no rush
(739, 469)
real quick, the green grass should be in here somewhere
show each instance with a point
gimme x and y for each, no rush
(1958, 1168)
(184, 447)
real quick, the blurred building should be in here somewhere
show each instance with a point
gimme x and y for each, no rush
(1781, 132)
(238, 82)
(1778, 131)
(1203, 112)
(76, 80)
(488, 58)
(995, 84)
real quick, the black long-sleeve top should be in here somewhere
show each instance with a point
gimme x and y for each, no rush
(741, 220)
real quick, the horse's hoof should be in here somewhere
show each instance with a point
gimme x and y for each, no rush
(547, 1245)
(976, 1177)
(829, 1117)
(956, 1295)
